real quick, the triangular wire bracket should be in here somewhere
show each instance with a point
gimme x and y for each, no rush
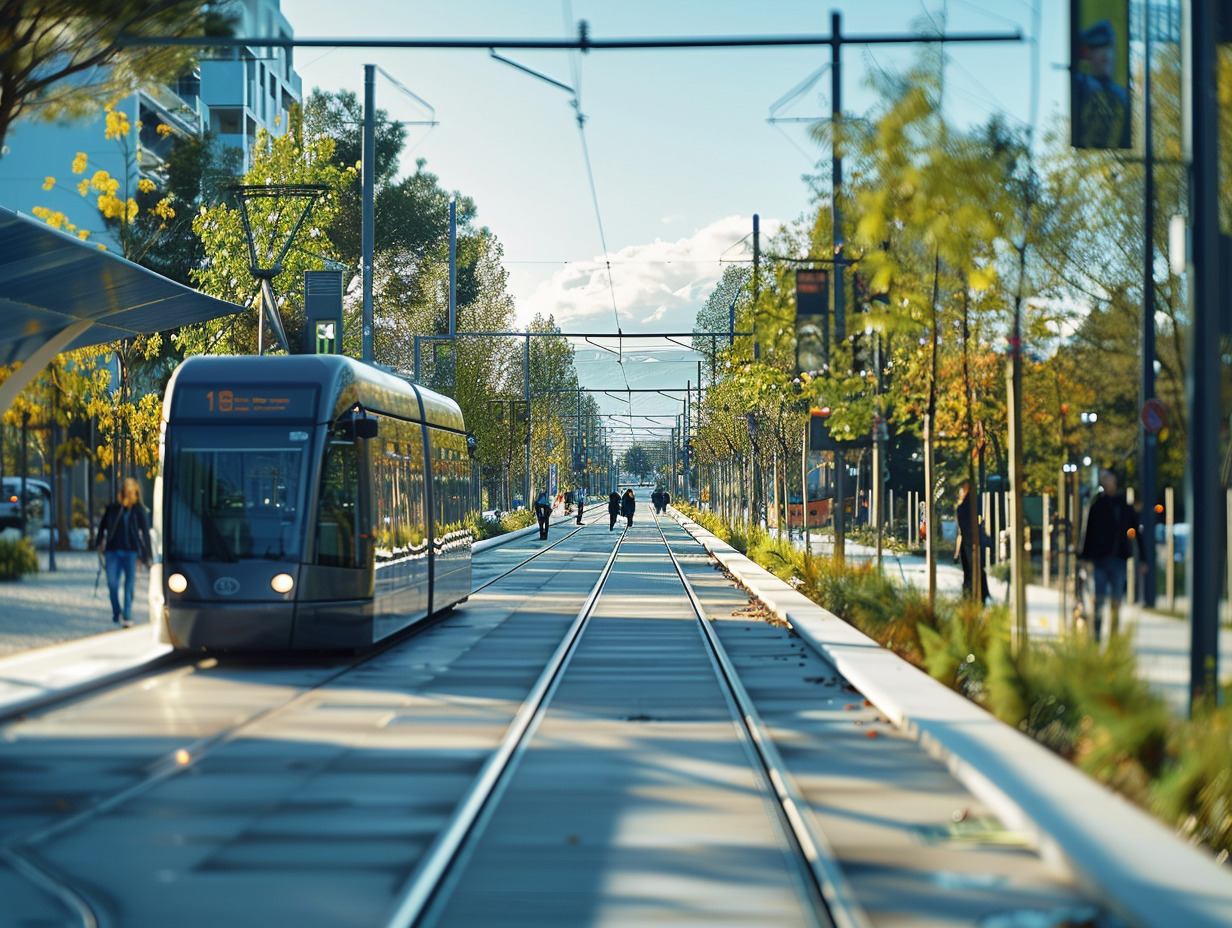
(260, 207)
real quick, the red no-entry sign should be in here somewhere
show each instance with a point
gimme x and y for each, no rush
(1154, 416)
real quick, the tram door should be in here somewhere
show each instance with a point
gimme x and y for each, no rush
(342, 536)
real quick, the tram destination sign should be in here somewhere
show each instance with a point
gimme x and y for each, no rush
(246, 401)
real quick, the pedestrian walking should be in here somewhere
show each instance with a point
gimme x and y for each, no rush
(123, 538)
(613, 509)
(972, 540)
(1107, 542)
(581, 504)
(543, 512)
(656, 500)
(627, 507)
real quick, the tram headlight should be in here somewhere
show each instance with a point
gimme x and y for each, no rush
(282, 583)
(177, 583)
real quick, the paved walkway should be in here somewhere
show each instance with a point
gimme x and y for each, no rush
(62, 605)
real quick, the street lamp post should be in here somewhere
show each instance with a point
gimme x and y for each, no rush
(1090, 418)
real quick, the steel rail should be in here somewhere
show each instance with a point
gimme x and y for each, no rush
(424, 884)
(544, 550)
(20, 852)
(822, 863)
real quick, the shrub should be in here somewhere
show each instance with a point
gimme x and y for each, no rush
(17, 558)
(1195, 791)
(512, 521)
(482, 528)
(955, 647)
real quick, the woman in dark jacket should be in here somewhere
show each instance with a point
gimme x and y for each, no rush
(627, 507)
(613, 509)
(124, 538)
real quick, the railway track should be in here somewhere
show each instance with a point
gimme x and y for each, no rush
(134, 739)
(602, 735)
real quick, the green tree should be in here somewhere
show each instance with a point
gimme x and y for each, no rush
(728, 301)
(637, 461)
(290, 159)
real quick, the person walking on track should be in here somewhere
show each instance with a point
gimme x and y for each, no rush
(543, 512)
(613, 509)
(580, 498)
(627, 507)
(123, 538)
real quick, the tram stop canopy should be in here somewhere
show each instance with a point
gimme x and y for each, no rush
(58, 293)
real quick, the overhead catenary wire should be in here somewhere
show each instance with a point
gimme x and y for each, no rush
(575, 65)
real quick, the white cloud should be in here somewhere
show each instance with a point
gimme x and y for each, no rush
(656, 287)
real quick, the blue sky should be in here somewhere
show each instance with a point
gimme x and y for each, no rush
(680, 146)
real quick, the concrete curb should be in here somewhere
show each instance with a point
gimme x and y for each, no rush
(32, 680)
(1134, 864)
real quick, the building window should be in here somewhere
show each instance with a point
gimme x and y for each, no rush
(226, 121)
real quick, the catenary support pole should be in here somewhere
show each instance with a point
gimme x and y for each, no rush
(1146, 388)
(836, 232)
(368, 211)
(453, 265)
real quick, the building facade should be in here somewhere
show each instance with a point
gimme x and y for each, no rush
(233, 94)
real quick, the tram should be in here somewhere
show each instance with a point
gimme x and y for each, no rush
(306, 502)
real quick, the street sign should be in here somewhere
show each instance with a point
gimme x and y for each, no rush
(1154, 416)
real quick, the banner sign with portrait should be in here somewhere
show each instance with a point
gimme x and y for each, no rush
(1099, 74)
(812, 321)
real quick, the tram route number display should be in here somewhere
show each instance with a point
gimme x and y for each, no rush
(280, 401)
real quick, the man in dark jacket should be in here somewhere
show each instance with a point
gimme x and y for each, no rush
(543, 512)
(613, 509)
(1107, 542)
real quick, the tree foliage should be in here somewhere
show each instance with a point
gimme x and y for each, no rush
(63, 57)
(226, 272)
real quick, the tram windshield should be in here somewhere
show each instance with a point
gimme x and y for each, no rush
(236, 493)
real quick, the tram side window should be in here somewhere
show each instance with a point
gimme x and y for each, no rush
(397, 468)
(338, 541)
(450, 483)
